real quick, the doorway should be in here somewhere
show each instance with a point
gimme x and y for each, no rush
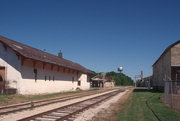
(175, 75)
(2, 78)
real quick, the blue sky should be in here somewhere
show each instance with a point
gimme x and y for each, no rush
(98, 34)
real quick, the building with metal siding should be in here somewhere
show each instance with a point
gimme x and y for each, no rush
(167, 66)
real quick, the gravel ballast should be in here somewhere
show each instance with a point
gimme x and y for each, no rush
(27, 113)
(90, 113)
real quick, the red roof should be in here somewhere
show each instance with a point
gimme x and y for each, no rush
(109, 78)
(36, 54)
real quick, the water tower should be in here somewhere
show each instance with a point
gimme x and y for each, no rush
(120, 69)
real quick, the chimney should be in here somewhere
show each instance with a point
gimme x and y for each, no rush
(60, 54)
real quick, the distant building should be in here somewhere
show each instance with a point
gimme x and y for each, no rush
(102, 81)
(32, 71)
(145, 82)
(167, 66)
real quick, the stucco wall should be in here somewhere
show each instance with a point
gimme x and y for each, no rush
(56, 81)
(10, 61)
(85, 84)
(162, 70)
(109, 84)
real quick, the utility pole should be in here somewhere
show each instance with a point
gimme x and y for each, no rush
(142, 76)
(136, 77)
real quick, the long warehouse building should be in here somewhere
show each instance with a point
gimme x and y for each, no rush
(32, 71)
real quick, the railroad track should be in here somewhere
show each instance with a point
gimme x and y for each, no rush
(35, 104)
(70, 112)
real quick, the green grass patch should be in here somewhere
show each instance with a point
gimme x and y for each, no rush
(143, 105)
(4, 98)
(46, 96)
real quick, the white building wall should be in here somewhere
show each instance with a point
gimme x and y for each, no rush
(109, 84)
(63, 81)
(85, 84)
(10, 61)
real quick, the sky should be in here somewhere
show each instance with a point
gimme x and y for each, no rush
(98, 34)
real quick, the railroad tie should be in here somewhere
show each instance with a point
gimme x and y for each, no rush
(44, 119)
(56, 114)
(50, 117)
(64, 111)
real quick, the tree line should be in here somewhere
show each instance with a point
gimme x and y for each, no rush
(119, 78)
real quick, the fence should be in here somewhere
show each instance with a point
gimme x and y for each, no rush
(172, 94)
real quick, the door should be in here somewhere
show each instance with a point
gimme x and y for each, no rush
(2, 78)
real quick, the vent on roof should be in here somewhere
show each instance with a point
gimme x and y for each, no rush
(17, 46)
(60, 54)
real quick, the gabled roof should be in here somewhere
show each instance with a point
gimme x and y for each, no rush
(167, 49)
(36, 54)
(98, 78)
(101, 78)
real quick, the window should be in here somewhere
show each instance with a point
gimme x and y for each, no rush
(88, 78)
(178, 78)
(35, 74)
(73, 79)
(49, 78)
(1, 79)
(79, 83)
(45, 78)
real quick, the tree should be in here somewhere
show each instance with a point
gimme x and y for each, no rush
(120, 78)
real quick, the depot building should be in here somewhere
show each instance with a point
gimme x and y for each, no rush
(31, 71)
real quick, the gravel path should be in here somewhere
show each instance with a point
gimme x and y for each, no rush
(27, 113)
(90, 113)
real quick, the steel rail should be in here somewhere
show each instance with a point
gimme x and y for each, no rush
(96, 100)
(35, 104)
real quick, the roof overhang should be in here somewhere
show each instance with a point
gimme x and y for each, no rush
(38, 55)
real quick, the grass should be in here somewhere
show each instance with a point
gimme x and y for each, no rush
(143, 105)
(4, 98)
